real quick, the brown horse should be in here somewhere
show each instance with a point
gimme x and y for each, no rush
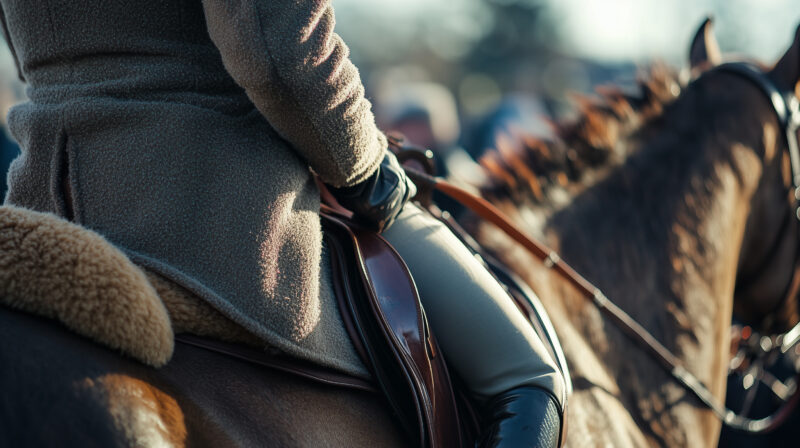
(688, 195)
(666, 203)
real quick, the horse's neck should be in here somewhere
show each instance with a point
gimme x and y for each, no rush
(661, 237)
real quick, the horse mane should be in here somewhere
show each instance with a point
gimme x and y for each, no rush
(604, 132)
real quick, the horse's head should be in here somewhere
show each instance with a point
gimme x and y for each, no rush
(764, 105)
(676, 201)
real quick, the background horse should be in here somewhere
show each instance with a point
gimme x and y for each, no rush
(663, 202)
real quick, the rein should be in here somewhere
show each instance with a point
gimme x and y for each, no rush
(788, 110)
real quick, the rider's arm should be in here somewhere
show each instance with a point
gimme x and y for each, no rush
(296, 71)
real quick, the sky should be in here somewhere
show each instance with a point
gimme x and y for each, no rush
(639, 29)
(602, 30)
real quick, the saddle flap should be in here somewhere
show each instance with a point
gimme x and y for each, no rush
(381, 306)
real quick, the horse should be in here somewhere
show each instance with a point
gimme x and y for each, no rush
(61, 388)
(677, 205)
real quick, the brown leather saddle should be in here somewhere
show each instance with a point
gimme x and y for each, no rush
(381, 310)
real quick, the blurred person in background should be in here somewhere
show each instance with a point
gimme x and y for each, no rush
(516, 115)
(425, 113)
(186, 133)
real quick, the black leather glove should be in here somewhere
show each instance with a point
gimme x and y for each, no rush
(378, 200)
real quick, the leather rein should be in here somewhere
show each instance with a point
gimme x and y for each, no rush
(787, 108)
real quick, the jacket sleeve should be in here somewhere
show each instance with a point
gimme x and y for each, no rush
(297, 72)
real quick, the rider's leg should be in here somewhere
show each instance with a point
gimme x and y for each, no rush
(484, 337)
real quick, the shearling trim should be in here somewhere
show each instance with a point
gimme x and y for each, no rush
(59, 270)
(190, 314)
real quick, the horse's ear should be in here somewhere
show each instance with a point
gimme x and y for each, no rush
(704, 51)
(787, 70)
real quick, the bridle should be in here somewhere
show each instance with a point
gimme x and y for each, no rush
(785, 105)
(787, 109)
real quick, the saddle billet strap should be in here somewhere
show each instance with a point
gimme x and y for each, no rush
(285, 364)
(383, 308)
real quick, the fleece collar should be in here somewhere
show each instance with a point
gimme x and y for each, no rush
(56, 269)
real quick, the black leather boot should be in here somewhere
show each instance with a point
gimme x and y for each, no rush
(522, 417)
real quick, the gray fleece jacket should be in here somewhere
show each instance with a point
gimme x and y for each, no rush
(183, 131)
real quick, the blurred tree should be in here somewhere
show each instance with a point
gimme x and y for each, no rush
(521, 35)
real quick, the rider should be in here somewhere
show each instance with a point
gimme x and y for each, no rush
(186, 132)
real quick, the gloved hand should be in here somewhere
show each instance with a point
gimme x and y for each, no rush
(378, 200)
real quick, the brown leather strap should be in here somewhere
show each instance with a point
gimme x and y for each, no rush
(632, 329)
(551, 259)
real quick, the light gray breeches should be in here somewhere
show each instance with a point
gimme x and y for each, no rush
(484, 337)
